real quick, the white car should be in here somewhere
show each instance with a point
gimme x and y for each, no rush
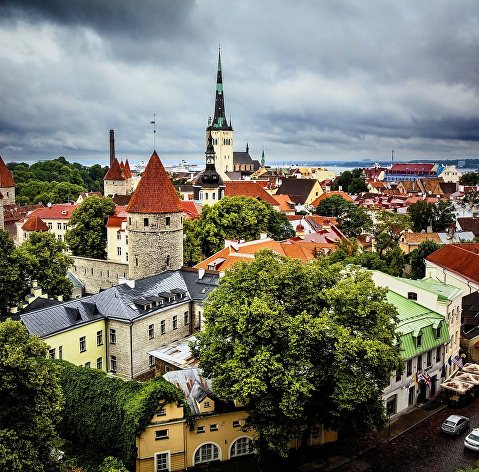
(472, 440)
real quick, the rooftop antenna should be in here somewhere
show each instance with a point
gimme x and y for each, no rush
(154, 130)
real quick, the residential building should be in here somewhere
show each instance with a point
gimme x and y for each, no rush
(456, 264)
(134, 317)
(470, 326)
(410, 241)
(437, 296)
(402, 171)
(300, 191)
(250, 188)
(423, 335)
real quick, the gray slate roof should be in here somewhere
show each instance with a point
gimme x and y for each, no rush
(119, 302)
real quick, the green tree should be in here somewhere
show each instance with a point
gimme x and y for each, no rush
(470, 178)
(87, 234)
(350, 182)
(332, 206)
(191, 244)
(47, 262)
(354, 221)
(443, 215)
(31, 402)
(421, 214)
(290, 338)
(239, 218)
(416, 258)
(13, 283)
(112, 464)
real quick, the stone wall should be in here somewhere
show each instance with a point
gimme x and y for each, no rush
(155, 243)
(97, 274)
(8, 195)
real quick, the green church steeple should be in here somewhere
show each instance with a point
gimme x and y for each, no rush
(219, 120)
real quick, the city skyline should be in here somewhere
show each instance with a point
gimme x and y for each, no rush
(329, 81)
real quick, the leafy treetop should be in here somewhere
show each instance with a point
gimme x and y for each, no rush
(302, 343)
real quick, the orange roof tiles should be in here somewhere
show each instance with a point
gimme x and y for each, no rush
(285, 203)
(297, 249)
(155, 192)
(6, 179)
(55, 212)
(114, 172)
(421, 237)
(191, 209)
(247, 188)
(331, 194)
(115, 221)
(35, 223)
(462, 259)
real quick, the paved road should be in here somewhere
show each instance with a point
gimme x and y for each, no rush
(423, 448)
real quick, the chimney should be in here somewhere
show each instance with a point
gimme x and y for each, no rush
(112, 146)
(201, 273)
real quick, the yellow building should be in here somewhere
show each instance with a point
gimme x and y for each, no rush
(171, 442)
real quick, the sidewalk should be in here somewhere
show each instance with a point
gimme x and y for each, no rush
(338, 455)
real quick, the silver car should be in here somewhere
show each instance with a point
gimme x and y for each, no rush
(455, 424)
(472, 440)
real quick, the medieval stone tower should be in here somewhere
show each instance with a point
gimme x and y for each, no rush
(7, 184)
(221, 131)
(155, 224)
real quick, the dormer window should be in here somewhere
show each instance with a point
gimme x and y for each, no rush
(438, 332)
(419, 340)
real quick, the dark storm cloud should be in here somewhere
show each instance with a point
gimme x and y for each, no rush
(303, 79)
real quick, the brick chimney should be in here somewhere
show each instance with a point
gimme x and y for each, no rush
(112, 146)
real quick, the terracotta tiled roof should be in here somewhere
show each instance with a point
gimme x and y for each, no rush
(13, 213)
(247, 188)
(55, 212)
(155, 192)
(462, 259)
(115, 221)
(412, 167)
(114, 172)
(35, 223)
(284, 202)
(121, 199)
(6, 179)
(331, 194)
(297, 249)
(418, 238)
(191, 209)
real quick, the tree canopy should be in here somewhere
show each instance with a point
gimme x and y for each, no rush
(47, 262)
(55, 180)
(87, 234)
(350, 182)
(438, 215)
(236, 218)
(31, 402)
(301, 344)
(470, 178)
(416, 258)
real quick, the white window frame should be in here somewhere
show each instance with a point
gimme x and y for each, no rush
(219, 458)
(168, 461)
(243, 453)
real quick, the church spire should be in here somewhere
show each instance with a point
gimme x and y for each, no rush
(219, 119)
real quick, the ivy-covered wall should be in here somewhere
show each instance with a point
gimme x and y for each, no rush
(106, 413)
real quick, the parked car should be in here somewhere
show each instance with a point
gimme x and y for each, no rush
(472, 440)
(455, 424)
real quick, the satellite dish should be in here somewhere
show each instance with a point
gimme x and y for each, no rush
(49, 204)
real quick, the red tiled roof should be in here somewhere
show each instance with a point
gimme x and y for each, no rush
(115, 221)
(462, 259)
(114, 172)
(331, 194)
(35, 223)
(127, 170)
(191, 209)
(55, 212)
(155, 192)
(411, 167)
(6, 179)
(247, 188)
(284, 202)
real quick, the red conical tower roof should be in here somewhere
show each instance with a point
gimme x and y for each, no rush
(127, 170)
(6, 179)
(35, 223)
(114, 172)
(155, 192)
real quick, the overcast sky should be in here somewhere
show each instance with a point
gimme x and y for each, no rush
(305, 80)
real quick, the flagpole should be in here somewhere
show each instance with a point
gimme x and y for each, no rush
(154, 131)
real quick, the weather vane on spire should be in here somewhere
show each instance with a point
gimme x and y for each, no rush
(154, 130)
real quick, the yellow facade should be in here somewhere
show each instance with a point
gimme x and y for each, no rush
(81, 345)
(169, 443)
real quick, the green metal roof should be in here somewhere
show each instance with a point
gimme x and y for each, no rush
(443, 291)
(415, 319)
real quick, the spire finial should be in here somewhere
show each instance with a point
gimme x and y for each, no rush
(154, 130)
(247, 146)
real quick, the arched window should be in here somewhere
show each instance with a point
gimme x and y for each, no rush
(241, 447)
(206, 453)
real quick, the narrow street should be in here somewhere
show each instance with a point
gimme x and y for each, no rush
(422, 448)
